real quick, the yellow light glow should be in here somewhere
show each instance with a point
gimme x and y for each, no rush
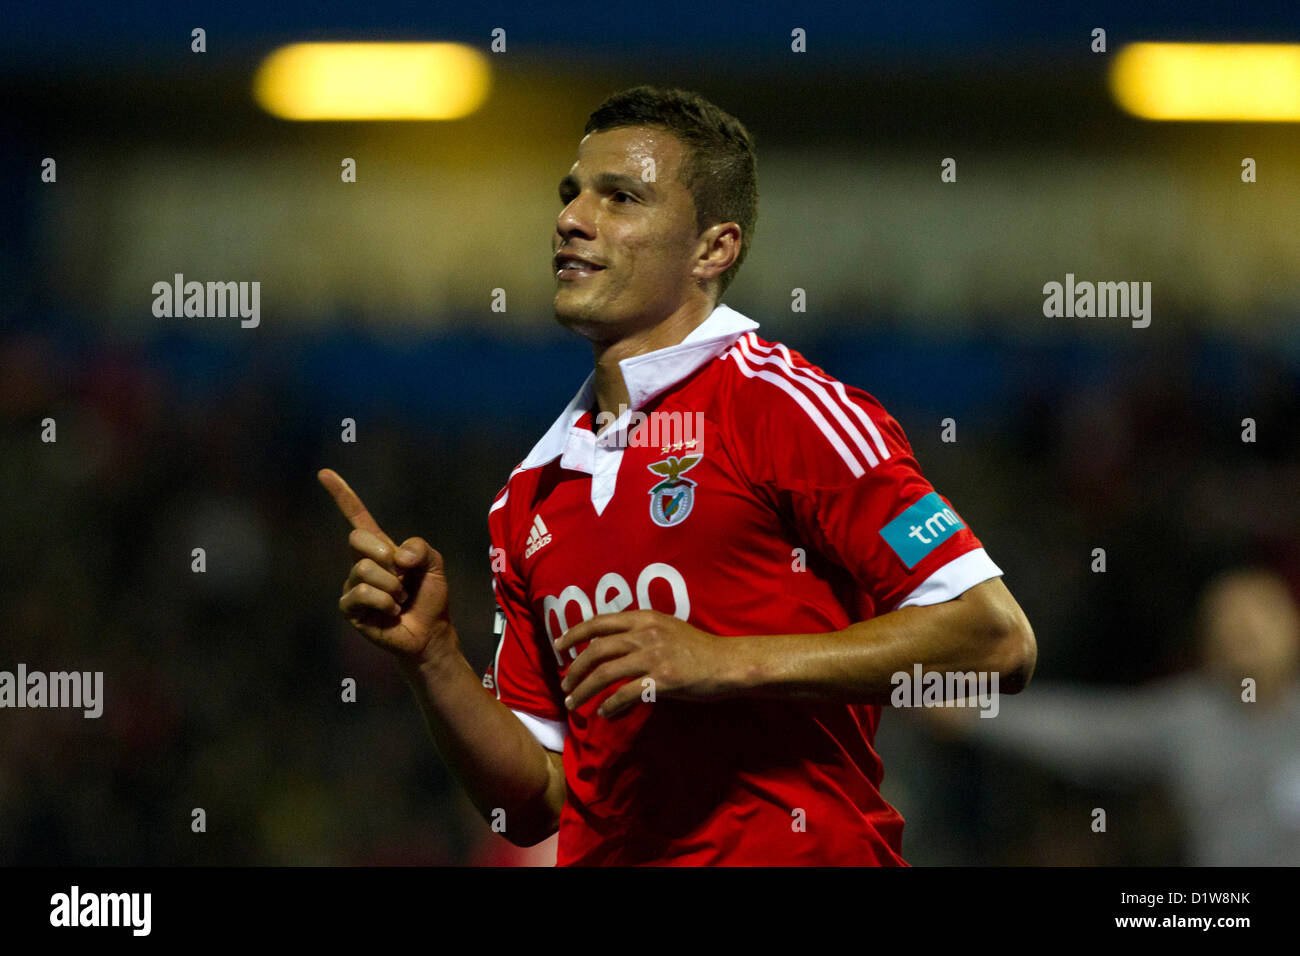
(1240, 82)
(372, 81)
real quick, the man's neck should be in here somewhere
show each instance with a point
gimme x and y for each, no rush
(611, 390)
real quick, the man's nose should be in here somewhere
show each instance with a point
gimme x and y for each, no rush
(574, 219)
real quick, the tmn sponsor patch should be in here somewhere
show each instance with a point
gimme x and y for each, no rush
(921, 528)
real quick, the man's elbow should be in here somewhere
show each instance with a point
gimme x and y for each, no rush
(1005, 644)
(1015, 652)
(539, 817)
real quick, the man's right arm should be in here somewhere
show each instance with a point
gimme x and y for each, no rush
(396, 597)
(496, 758)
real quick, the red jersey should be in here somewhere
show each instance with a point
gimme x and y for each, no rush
(746, 492)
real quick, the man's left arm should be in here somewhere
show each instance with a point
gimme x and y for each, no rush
(983, 629)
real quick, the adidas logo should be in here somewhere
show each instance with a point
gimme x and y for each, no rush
(538, 537)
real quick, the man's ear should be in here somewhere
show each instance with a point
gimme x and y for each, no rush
(720, 246)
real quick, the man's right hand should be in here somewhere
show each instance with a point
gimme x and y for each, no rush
(396, 595)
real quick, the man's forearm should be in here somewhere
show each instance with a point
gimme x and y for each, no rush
(487, 748)
(857, 664)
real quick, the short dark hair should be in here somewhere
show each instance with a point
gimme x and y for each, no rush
(720, 166)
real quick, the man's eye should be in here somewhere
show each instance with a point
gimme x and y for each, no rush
(623, 194)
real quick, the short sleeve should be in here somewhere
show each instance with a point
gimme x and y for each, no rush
(834, 464)
(523, 673)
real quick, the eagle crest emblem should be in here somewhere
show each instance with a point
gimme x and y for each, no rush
(672, 499)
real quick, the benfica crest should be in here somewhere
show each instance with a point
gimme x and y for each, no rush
(672, 499)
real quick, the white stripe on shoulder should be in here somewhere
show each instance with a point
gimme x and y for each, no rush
(818, 419)
(800, 377)
(837, 385)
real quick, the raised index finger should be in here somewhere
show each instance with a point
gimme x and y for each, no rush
(350, 504)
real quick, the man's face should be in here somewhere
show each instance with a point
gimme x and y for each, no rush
(625, 210)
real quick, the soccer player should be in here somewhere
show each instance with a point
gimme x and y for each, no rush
(708, 569)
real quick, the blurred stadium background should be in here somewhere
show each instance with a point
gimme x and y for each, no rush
(223, 688)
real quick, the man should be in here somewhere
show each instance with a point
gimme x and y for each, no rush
(697, 626)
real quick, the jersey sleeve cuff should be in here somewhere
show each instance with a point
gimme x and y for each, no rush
(958, 575)
(549, 733)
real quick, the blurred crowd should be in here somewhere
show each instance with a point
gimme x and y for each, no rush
(224, 689)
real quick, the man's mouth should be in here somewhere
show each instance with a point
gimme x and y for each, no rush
(568, 266)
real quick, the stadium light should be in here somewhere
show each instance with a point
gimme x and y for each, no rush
(1234, 82)
(372, 81)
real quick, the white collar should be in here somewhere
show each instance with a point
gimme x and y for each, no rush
(646, 376)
